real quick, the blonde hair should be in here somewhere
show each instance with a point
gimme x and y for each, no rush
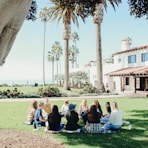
(34, 104)
(96, 102)
(84, 102)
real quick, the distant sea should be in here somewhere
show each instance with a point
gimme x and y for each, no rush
(24, 82)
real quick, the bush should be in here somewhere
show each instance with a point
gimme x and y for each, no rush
(49, 92)
(88, 88)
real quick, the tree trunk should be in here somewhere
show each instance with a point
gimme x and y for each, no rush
(57, 69)
(12, 16)
(66, 82)
(66, 37)
(97, 18)
(99, 58)
(53, 72)
(44, 43)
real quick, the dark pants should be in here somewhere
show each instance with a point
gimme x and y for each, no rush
(38, 125)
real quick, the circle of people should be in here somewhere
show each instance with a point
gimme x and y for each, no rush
(94, 120)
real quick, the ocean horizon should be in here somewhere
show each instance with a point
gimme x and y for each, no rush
(24, 82)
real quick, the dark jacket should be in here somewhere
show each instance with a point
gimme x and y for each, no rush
(72, 121)
(54, 121)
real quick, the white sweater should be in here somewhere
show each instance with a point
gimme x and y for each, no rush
(115, 117)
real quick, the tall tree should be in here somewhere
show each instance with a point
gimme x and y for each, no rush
(57, 51)
(73, 52)
(97, 19)
(75, 38)
(65, 9)
(95, 9)
(44, 18)
(138, 8)
(51, 59)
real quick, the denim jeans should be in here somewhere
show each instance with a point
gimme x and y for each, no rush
(109, 126)
(104, 119)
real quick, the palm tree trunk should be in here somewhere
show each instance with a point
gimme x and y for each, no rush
(66, 82)
(97, 18)
(60, 65)
(66, 37)
(52, 72)
(44, 54)
(57, 69)
(99, 58)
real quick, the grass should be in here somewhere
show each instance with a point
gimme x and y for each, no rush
(134, 110)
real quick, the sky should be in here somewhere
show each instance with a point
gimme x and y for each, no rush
(25, 60)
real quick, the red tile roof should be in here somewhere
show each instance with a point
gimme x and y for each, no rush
(130, 71)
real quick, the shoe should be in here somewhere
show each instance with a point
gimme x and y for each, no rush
(36, 129)
(27, 122)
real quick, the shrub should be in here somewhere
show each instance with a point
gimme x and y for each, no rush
(88, 88)
(49, 92)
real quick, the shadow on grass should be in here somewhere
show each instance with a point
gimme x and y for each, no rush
(135, 138)
(125, 139)
(140, 113)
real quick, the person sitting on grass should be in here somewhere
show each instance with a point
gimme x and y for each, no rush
(38, 118)
(93, 120)
(83, 110)
(31, 112)
(105, 117)
(72, 118)
(98, 106)
(54, 120)
(47, 109)
(64, 108)
(115, 119)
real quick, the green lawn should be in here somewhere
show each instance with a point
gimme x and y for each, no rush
(135, 110)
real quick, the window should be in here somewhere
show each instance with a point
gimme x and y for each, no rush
(127, 81)
(132, 59)
(144, 57)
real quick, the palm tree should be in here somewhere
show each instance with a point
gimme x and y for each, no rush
(51, 59)
(94, 8)
(57, 52)
(44, 18)
(75, 38)
(73, 52)
(65, 10)
(97, 19)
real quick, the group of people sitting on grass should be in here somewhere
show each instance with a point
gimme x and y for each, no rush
(93, 118)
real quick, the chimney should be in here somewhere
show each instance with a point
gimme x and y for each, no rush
(125, 44)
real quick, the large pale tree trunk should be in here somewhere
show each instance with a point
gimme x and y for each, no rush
(66, 82)
(12, 16)
(97, 18)
(66, 37)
